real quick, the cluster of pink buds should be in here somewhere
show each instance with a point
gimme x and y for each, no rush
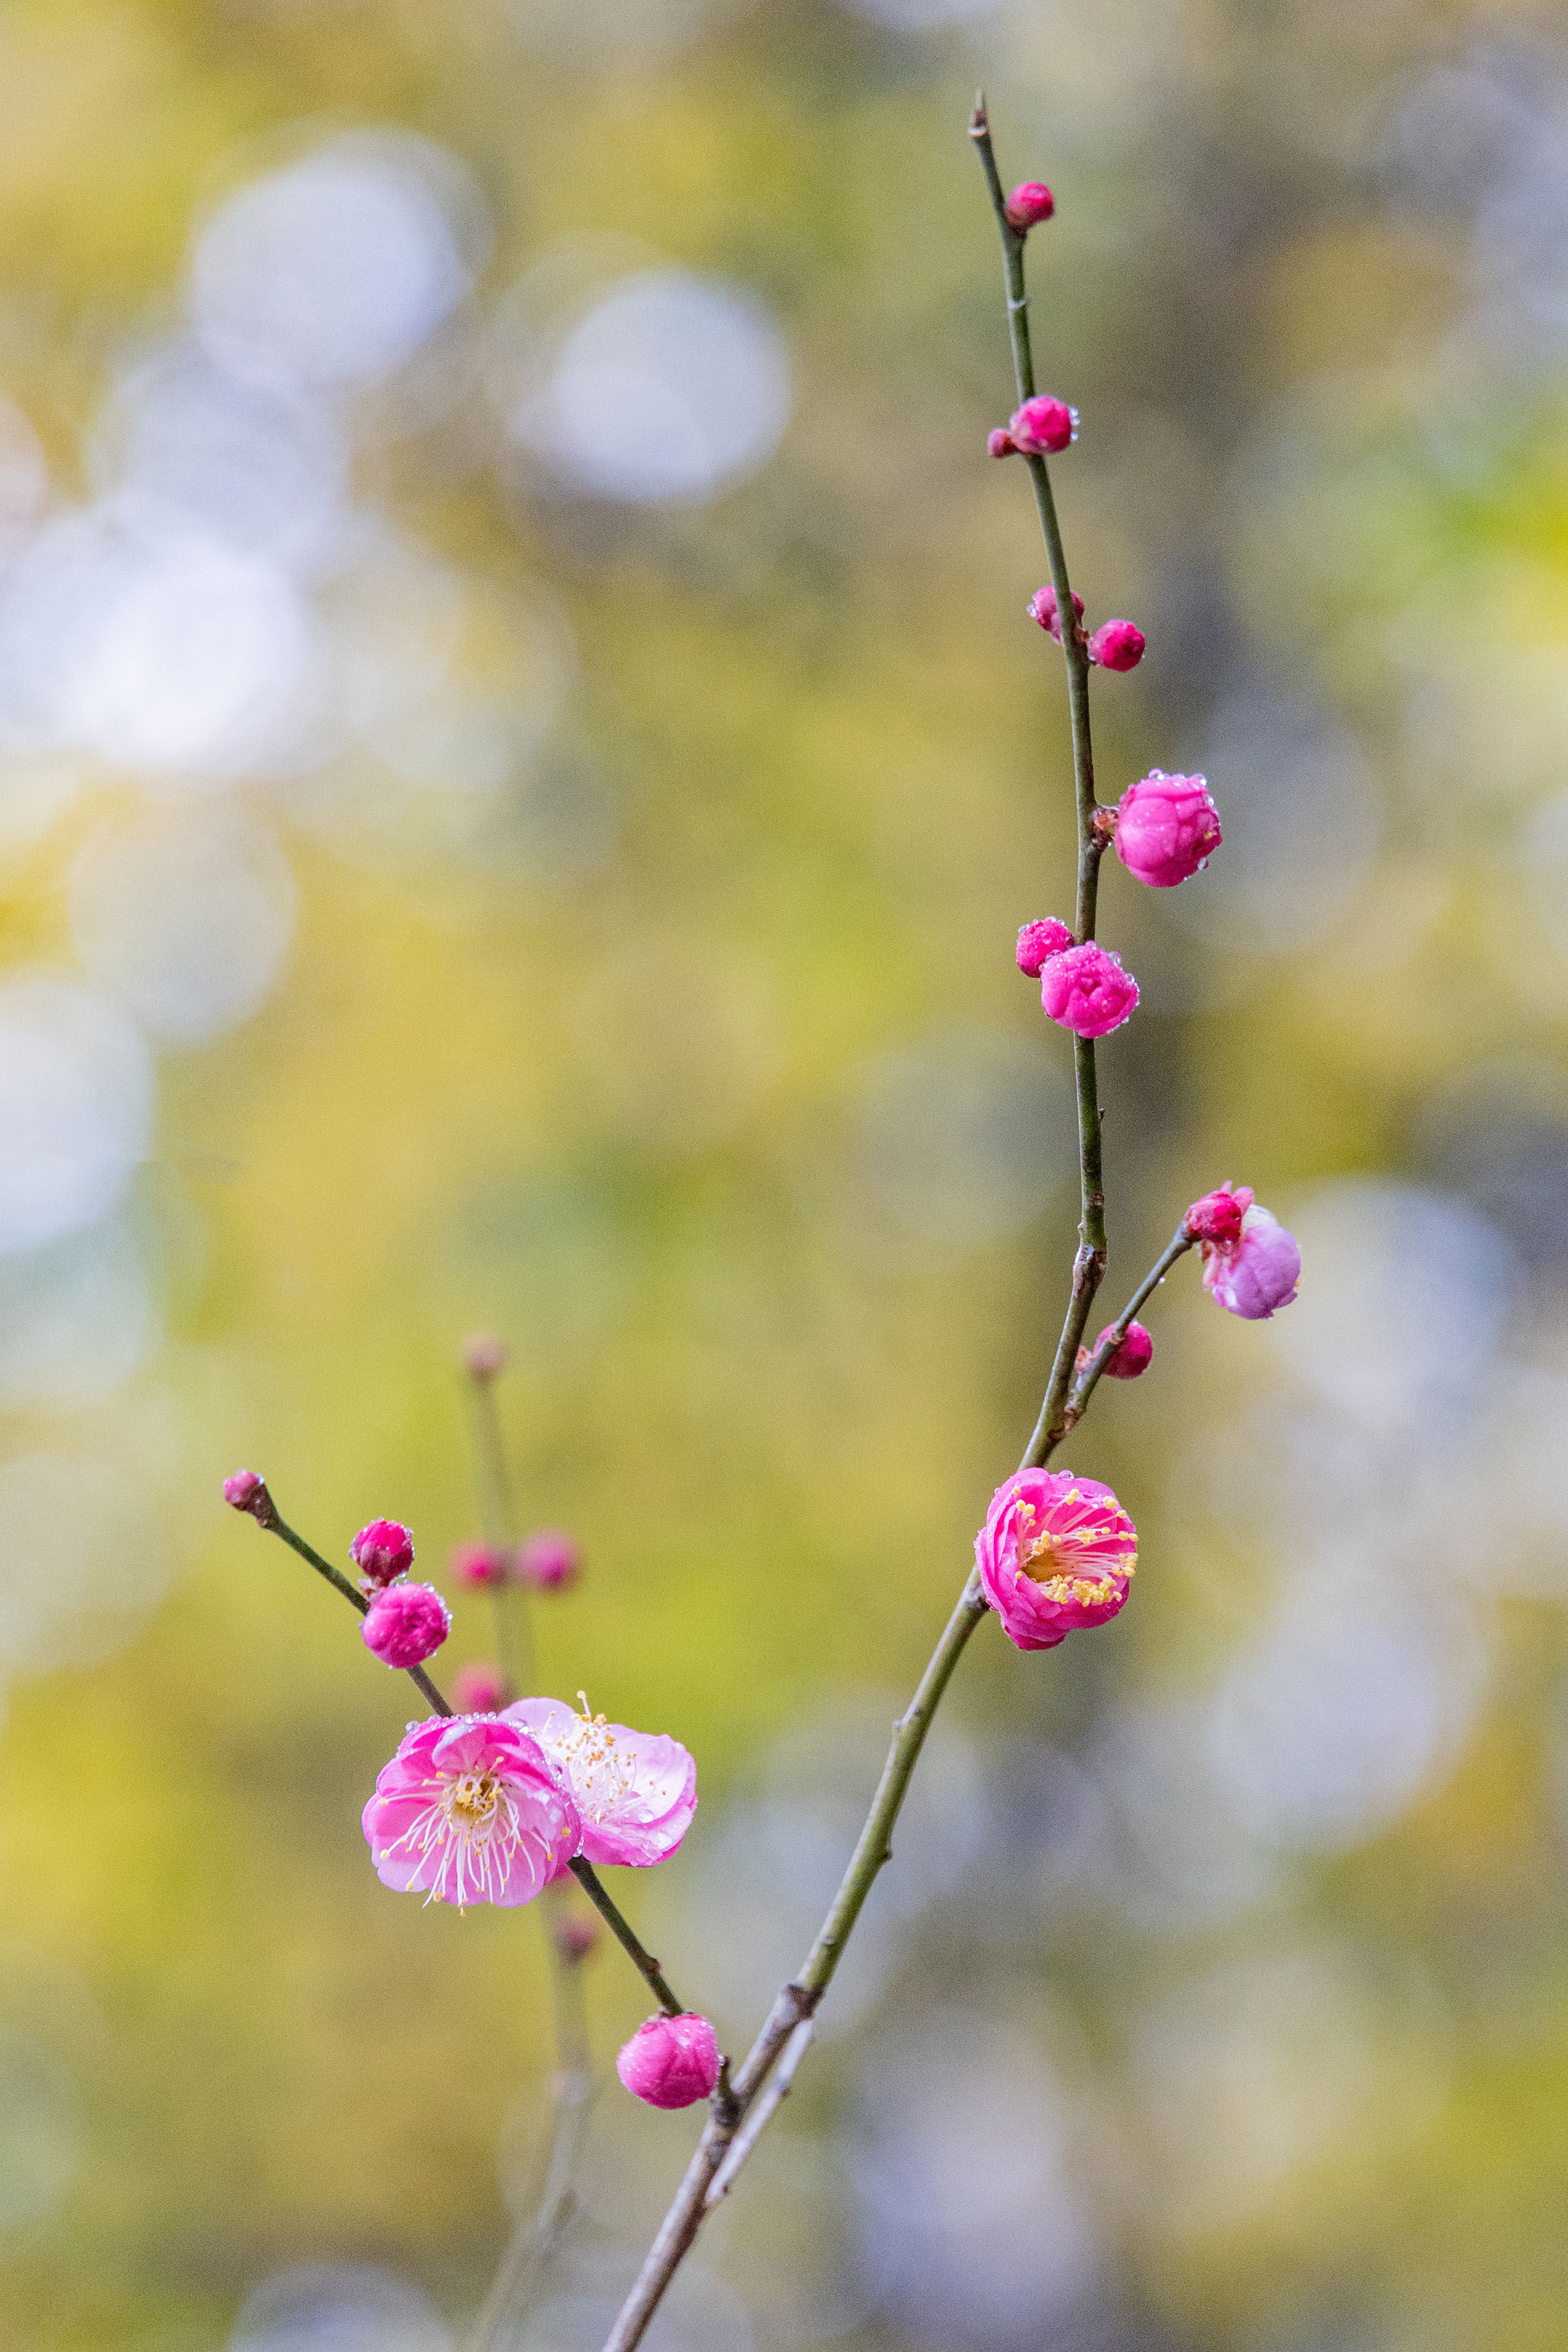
(405, 1622)
(548, 1561)
(1251, 1266)
(1115, 645)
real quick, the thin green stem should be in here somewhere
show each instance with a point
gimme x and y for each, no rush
(1089, 1378)
(643, 1961)
(497, 1516)
(714, 2166)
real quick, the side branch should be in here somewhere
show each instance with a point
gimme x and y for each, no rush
(647, 1968)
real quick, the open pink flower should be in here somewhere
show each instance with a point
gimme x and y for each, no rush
(635, 1791)
(406, 1624)
(1167, 827)
(469, 1811)
(1085, 990)
(1056, 1553)
(1256, 1274)
(671, 2062)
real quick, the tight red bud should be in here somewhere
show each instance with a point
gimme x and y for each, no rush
(1030, 203)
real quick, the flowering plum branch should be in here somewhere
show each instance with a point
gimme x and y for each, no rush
(498, 1802)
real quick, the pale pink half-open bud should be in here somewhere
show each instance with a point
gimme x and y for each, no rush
(1117, 645)
(480, 1563)
(1043, 608)
(1133, 1355)
(1217, 1217)
(406, 1624)
(1056, 1554)
(1043, 426)
(1256, 1273)
(1085, 990)
(671, 2062)
(1030, 203)
(480, 1689)
(550, 1561)
(635, 1791)
(1166, 828)
(469, 1811)
(382, 1551)
(1036, 940)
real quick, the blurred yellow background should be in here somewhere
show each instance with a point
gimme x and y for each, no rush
(521, 760)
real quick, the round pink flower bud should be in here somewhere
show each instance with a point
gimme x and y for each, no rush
(406, 1624)
(480, 1690)
(1085, 990)
(1133, 1357)
(1117, 645)
(1041, 607)
(382, 1551)
(550, 1561)
(1030, 203)
(468, 1811)
(484, 1356)
(1256, 1275)
(480, 1563)
(1038, 940)
(671, 2062)
(1166, 828)
(1000, 444)
(1056, 1553)
(247, 1491)
(1043, 426)
(1218, 1217)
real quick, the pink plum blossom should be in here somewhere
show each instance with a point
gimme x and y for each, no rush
(1117, 645)
(671, 2062)
(406, 1624)
(480, 1563)
(480, 1689)
(635, 1791)
(550, 1561)
(1166, 828)
(1133, 1355)
(1041, 608)
(1043, 426)
(469, 1811)
(1256, 1274)
(381, 1552)
(1217, 1217)
(1038, 940)
(1056, 1553)
(1085, 990)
